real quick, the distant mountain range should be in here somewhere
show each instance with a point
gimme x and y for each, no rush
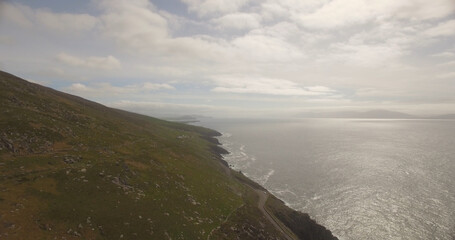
(371, 114)
(446, 116)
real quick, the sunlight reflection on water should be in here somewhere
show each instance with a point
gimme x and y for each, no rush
(363, 179)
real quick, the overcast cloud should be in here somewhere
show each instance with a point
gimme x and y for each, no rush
(233, 58)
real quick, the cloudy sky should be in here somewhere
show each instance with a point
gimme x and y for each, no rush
(237, 58)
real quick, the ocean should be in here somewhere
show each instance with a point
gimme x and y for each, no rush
(361, 178)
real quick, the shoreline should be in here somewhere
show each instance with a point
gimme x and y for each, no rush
(294, 224)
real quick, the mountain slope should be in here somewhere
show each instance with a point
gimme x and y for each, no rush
(74, 169)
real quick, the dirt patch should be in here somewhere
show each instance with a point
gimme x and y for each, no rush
(137, 165)
(47, 185)
(36, 125)
(61, 146)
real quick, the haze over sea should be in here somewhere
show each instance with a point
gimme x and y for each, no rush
(361, 178)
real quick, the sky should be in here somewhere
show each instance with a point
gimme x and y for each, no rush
(237, 58)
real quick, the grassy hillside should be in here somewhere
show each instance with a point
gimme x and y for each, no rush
(74, 169)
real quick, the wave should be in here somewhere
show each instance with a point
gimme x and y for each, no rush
(284, 191)
(238, 159)
(265, 178)
(226, 135)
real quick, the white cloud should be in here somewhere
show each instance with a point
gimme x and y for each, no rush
(281, 30)
(271, 10)
(262, 48)
(423, 9)
(157, 86)
(79, 87)
(291, 48)
(65, 21)
(108, 89)
(164, 109)
(443, 29)
(211, 7)
(159, 105)
(140, 29)
(377, 93)
(368, 55)
(104, 63)
(134, 24)
(321, 89)
(17, 13)
(238, 21)
(7, 40)
(342, 13)
(449, 75)
(27, 17)
(445, 54)
(448, 64)
(260, 85)
(284, 9)
(338, 13)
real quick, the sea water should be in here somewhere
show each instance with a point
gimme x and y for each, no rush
(362, 179)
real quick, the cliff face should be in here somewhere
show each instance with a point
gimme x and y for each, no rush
(71, 168)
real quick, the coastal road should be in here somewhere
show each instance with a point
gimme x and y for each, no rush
(263, 196)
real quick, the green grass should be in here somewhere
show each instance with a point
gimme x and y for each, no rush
(74, 169)
(173, 186)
